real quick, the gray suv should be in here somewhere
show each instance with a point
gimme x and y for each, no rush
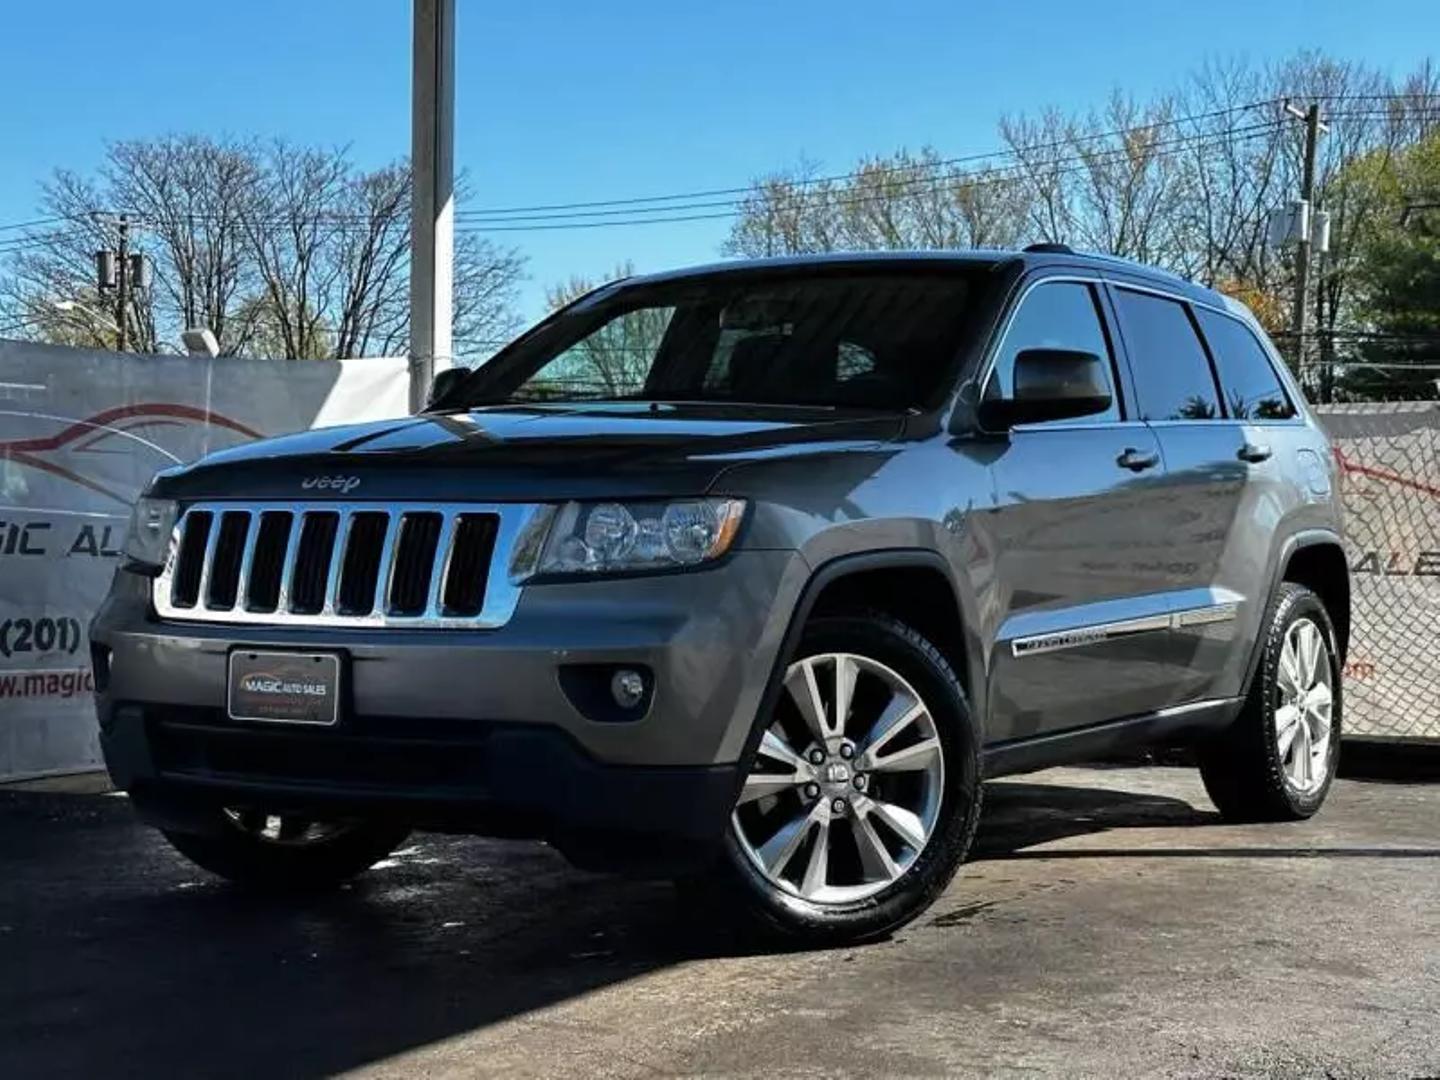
(748, 576)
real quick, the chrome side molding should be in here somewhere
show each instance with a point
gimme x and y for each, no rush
(1089, 635)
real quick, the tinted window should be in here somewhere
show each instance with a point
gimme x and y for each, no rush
(860, 340)
(1060, 315)
(1172, 373)
(1252, 389)
(612, 362)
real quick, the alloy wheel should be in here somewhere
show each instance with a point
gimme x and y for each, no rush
(1305, 706)
(847, 784)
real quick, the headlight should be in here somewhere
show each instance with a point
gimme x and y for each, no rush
(148, 539)
(610, 537)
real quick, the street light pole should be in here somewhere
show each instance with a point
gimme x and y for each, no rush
(67, 306)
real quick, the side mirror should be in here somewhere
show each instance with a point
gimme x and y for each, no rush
(444, 382)
(1050, 384)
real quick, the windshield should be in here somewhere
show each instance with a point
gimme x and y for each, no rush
(882, 341)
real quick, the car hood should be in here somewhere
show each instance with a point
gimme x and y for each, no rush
(512, 453)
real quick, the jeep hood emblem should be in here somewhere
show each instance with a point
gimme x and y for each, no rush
(343, 484)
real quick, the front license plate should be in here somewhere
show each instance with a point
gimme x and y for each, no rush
(284, 687)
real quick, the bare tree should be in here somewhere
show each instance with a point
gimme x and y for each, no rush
(191, 195)
(291, 225)
(1037, 148)
(903, 201)
(615, 358)
(1125, 187)
(786, 213)
(281, 250)
(50, 291)
(1231, 169)
(369, 253)
(1186, 180)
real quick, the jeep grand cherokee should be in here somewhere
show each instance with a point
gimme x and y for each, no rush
(749, 575)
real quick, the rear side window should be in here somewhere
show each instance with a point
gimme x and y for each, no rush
(1251, 387)
(1055, 315)
(1173, 380)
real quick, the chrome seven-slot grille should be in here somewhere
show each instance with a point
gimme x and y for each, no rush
(352, 564)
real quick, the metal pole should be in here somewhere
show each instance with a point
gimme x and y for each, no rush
(122, 292)
(432, 223)
(1302, 248)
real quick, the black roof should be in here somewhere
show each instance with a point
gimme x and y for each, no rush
(1035, 256)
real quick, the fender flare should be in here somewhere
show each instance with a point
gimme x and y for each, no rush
(1304, 538)
(844, 566)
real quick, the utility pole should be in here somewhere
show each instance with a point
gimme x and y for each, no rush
(124, 273)
(1311, 116)
(122, 290)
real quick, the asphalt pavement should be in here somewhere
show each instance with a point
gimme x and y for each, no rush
(1109, 925)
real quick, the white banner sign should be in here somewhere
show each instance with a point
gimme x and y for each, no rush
(81, 433)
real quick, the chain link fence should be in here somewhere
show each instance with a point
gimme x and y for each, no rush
(1389, 463)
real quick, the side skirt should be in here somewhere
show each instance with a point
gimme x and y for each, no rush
(1097, 740)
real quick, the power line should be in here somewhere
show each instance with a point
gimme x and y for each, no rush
(667, 209)
(1014, 174)
(23, 324)
(1429, 113)
(479, 222)
(1427, 100)
(1012, 171)
(1414, 96)
(37, 240)
(941, 163)
(36, 222)
(482, 213)
(1078, 160)
(839, 177)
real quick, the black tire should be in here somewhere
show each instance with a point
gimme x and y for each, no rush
(254, 862)
(736, 883)
(1243, 770)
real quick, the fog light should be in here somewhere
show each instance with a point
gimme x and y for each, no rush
(627, 687)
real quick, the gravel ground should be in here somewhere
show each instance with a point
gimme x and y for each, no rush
(1109, 925)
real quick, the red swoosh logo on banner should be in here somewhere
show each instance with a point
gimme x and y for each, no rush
(124, 412)
(1381, 474)
(22, 450)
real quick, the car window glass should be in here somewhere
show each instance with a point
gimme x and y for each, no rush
(863, 340)
(1251, 387)
(852, 361)
(1173, 380)
(1055, 315)
(614, 361)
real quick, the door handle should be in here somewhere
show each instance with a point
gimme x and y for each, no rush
(1137, 460)
(1253, 452)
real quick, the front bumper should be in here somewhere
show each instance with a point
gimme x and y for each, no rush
(466, 729)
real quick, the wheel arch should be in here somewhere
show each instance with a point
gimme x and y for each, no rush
(917, 591)
(1316, 559)
(1320, 566)
(890, 581)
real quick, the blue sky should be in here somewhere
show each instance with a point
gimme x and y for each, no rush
(563, 100)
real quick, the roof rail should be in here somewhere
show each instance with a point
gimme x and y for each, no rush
(1050, 249)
